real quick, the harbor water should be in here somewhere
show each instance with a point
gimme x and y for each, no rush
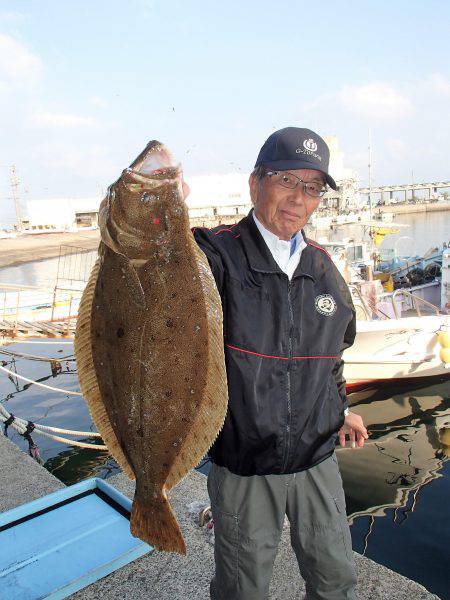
(397, 487)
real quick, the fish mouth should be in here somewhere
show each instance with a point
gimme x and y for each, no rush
(155, 162)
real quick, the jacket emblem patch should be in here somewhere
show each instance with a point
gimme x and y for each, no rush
(325, 305)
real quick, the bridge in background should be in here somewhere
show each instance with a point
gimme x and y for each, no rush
(407, 188)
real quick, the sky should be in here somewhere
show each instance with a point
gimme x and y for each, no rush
(84, 85)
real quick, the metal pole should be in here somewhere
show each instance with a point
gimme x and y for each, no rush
(370, 175)
(53, 303)
(17, 314)
(15, 195)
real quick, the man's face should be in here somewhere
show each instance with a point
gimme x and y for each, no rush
(281, 210)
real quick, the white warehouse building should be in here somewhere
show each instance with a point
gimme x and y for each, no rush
(62, 214)
(212, 197)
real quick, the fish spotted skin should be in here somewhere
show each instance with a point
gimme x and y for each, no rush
(154, 323)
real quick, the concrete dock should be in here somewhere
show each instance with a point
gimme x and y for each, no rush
(26, 248)
(419, 207)
(166, 576)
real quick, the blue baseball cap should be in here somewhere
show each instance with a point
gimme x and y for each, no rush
(296, 148)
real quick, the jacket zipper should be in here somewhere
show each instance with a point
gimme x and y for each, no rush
(288, 381)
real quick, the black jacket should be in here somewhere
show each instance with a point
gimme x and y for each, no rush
(283, 345)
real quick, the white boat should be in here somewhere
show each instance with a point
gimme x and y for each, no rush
(392, 349)
(395, 340)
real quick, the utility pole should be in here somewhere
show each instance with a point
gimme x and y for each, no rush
(15, 195)
(370, 175)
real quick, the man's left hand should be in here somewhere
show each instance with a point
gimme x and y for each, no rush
(354, 427)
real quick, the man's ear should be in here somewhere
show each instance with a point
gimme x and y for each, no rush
(253, 184)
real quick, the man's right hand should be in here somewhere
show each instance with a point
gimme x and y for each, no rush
(354, 427)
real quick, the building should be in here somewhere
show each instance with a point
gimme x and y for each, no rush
(347, 196)
(214, 200)
(61, 214)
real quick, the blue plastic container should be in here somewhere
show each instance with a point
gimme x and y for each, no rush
(54, 546)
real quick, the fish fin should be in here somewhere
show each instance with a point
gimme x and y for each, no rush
(88, 379)
(155, 523)
(132, 281)
(211, 414)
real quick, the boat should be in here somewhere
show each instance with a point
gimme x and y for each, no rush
(398, 349)
(400, 334)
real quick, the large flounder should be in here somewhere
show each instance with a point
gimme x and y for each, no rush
(149, 342)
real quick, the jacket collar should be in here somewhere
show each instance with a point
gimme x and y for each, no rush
(259, 256)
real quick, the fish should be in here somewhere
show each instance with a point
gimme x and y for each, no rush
(149, 341)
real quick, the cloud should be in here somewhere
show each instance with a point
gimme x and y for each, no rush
(12, 16)
(98, 102)
(85, 160)
(48, 119)
(439, 83)
(376, 100)
(397, 148)
(18, 65)
(318, 102)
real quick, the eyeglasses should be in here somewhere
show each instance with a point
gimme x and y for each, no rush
(291, 181)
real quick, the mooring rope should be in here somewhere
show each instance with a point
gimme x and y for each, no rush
(23, 422)
(39, 342)
(24, 428)
(63, 440)
(69, 357)
(47, 387)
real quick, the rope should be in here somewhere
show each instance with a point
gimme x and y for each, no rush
(23, 423)
(63, 440)
(25, 431)
(47, 387)
(35, 357)
(68, 431)
(43, 342)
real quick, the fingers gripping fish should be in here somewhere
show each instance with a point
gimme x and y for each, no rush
(149, 341)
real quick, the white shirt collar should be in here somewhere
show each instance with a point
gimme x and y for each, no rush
(280, 249)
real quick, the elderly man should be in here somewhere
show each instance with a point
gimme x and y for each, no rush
(288, 316)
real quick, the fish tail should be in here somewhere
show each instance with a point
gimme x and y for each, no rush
(155, 523)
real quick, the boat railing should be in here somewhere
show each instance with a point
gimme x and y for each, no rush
(366, 304)
(370, 309)
(416, 301)
(30, 303)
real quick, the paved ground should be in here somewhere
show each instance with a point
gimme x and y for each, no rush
(21, 478)
(162, 576)
(25, 248)
(166, 576)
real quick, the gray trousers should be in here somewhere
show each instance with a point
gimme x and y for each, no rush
(248, 517)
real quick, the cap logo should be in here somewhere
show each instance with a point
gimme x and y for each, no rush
(325, 305)
(310, 145)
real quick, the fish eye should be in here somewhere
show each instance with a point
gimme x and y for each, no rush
(147, 197)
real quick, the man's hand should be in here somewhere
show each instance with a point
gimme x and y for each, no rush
(354, 427)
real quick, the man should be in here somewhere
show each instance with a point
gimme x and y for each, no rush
(288, 316)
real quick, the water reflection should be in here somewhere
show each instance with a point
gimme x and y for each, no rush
(397, 486)
(76, 464)
(407, 447)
